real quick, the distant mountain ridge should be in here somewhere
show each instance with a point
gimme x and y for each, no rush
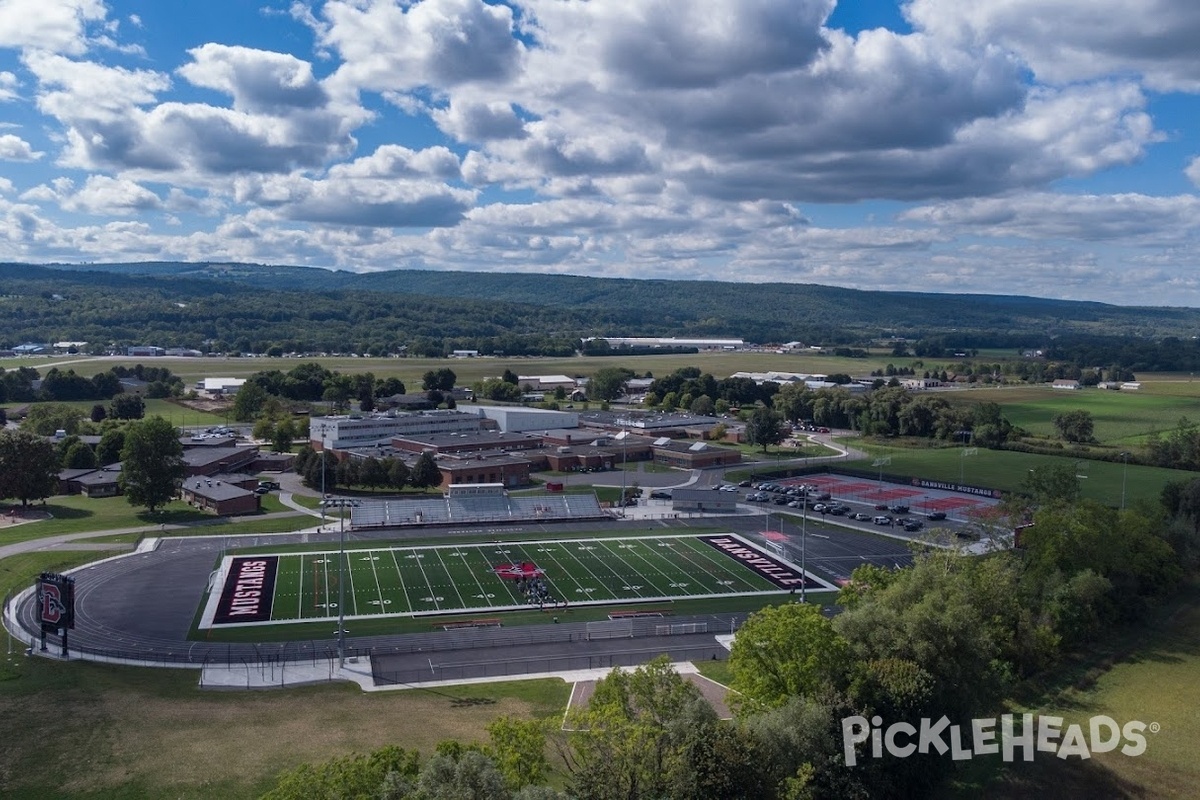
(757, 312)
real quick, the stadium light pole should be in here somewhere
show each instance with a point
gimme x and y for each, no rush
(342, 503)
(341, 637)
(804, 551)
(324, 447)
(624, 462)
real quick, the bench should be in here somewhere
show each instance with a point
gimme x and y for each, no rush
(637, 614)
(469, 623)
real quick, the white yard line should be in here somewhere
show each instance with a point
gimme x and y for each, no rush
(467, 565)
(375, 572)
(603, 585)
(723, 563)
(432, 592)
(641, 574)
(462, 601)
(403, 588)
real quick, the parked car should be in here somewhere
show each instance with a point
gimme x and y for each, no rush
(744, 484)
(899, 508)
(268, 485)
(936, 515)
(913, 526)
(659, 494)
(839, 511)
(862, 517)
(881, 506)
(882, 519)
(824, 496)
(780, 500)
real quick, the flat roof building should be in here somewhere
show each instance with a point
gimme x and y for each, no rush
(355, 431)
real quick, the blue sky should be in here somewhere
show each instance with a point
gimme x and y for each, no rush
(1039, 147)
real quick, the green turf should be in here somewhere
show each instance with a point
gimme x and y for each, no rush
(460, 578)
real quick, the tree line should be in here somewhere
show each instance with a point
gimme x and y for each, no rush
(951, 636)
(243, 309)
(26, 384)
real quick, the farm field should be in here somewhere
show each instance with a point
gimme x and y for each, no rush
(469, 370)
(493, 577)
(1102, 481)
(1121, 417)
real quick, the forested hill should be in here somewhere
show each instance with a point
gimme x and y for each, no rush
(580, 306)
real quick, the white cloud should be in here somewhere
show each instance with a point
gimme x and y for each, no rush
(655, 44)
(439, 43)
(1125, 218)
(58, 26)
(8, 86)
(1069, 40)
(100, 195)
(14, 148)
(1193, 171)
(110, 127)
(259, 81)
(109, 196)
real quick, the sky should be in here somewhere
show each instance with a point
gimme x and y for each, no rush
(1032, 147)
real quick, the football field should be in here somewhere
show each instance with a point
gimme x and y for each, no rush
(482, 578)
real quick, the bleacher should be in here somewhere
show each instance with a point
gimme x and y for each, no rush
(457, 510)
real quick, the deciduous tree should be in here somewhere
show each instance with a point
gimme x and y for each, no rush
(764, 428)
(151, 463)
(28, 466)
(425, 473)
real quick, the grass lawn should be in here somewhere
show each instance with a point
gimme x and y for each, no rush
(1005, 470)
(122, 732)
(78, 514)
(1121, 418)
(470, 370)
(1147, 673)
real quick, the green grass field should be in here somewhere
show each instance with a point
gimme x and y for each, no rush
(1145, 672)
(469, 370)
(463, 578)
(1006, 470)
(1122, 418)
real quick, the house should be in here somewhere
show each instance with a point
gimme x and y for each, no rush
(29, 349)
(221, 497)
(103, 482)
(1063, 383)
(694, 455)
(145, 350)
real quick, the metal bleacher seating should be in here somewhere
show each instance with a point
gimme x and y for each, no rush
(457, 510)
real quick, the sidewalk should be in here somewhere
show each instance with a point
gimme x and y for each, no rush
(358, 670)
